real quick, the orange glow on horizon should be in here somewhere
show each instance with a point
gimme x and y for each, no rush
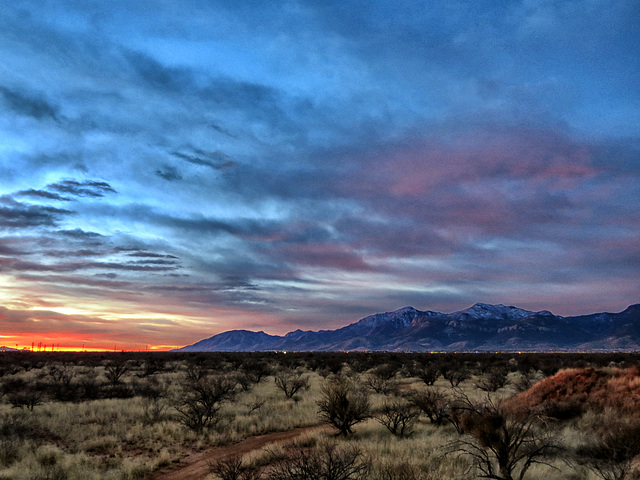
(55, 347)
(71, 343)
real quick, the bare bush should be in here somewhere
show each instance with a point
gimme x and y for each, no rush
(291, 381)
(201, 401)
(343, 405)
(328, 461)
(456, 375)
(257, 370)
(235, 469)
(527, 379)
(502, 446)
(611, 450)
(427, 373)
(402, 471)
(89, 385)
(398, 417)
(29, 397)
(494, 380)
(255, 406)
(154, 409)
(434, 403)
(381, 385)
(115, 371)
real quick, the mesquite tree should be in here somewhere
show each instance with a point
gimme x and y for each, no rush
(343, 405)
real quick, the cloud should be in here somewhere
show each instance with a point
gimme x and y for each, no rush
(216, 160)
(152, 255)
(28, 104)
(169, 173)
(332, 161)
(88, 188)
(80, 234)
(42, 194)
(16, 215)
(158, 76)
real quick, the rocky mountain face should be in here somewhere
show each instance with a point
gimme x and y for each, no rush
(481, 327)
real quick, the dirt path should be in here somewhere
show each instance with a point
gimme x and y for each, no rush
(196, 466)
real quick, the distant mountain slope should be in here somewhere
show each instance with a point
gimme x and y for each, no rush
(8, 349)
(479, 327)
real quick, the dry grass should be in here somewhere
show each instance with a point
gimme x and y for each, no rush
(128, 438)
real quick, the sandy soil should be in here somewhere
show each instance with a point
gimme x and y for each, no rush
(196, 466)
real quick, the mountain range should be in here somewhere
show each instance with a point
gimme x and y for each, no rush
(481, 327)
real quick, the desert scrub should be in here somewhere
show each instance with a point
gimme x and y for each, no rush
(275, 413)
(48, 462)
(90, 440)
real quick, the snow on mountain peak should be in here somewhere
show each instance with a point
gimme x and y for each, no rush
(399, 318)
(485, 310)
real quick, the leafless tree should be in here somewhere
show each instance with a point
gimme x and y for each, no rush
(28, 398)
(328, 461)
(343, 405)
(398, 417)
(291, 381)
(115, 370)
(200, 403)
(427, 373)
(433, 402)
(235, 469)
(455, 375)
(494, 380)
(381, 385)
(502, 446)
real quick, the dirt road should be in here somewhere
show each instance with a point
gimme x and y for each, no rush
(196, 466)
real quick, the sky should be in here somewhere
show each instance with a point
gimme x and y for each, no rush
(171, 170)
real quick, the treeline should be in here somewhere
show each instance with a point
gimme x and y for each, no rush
(333, 362)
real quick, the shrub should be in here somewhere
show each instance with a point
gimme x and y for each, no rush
(501, 446)
(291, 381)
(328, 461)
(154, 409)
(455, 375)
(342, 405)
(427, 373)
(494, 380)
(234, 468)
(398, 417)
(572, 392)
(201, 401)
(433, 403)
(612, 449)
(115, 371)
(28, 398)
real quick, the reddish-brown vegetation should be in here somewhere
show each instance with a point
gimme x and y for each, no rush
(572, 392)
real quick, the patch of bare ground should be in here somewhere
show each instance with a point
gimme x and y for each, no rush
(195, 466)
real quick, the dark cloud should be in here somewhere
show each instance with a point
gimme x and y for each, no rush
(42, 194)
(216, 160)
(28, 104)
(80, 234)
(14, 264)
(88, 188)
(14, 214)
(145, 254)
(169, 173)
(158, 76)
(222, 130)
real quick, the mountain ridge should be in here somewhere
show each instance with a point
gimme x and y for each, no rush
(482, 327)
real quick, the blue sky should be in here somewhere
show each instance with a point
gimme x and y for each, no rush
(171, 170)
